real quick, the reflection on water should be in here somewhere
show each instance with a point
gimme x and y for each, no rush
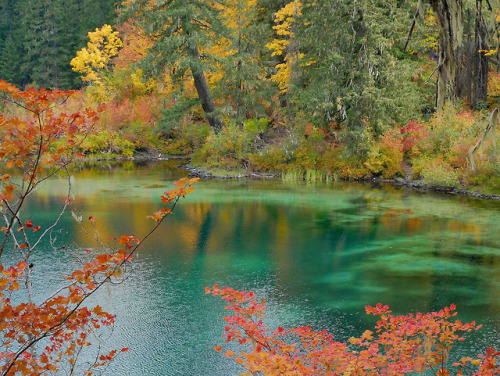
(317, 253)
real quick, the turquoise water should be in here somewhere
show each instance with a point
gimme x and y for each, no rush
(317, 253)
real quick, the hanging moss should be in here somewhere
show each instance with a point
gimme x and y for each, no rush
(449, 13)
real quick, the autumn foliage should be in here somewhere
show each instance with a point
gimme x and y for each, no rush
(41, 337)
(398, 345)
(103, 44)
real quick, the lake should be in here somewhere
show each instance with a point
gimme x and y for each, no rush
(318, 253)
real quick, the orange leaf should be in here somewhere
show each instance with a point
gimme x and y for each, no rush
(101, 259)
(10, 164)
(180, 182)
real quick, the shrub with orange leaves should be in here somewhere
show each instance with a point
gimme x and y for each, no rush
(386, 156)
(134, 119)
(398, 345)
(42, 337)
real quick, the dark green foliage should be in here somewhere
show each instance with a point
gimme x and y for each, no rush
(171, 117)
(9, 60)
(245, 70)
(11, 46)
(96, 13)
(358, 76)
(179, 28)
(39, 38)
(164, 22)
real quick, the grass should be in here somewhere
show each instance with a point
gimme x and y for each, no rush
(310, 176)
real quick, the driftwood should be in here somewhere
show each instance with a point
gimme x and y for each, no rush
(488, 132)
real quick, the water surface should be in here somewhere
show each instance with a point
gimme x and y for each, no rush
(317, 253)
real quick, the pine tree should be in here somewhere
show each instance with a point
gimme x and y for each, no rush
(11, 43)
(243, 78)
(9, 61)
(39, 23)
(95, 14)
(355, 77)
(5, 19)
(180, 28)
(67, 41)
(44, 37)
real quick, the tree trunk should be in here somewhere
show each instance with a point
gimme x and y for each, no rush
(465, 60)
(480, 59)
(449, 13)
(239, 80)
(201, 84)
(469, 52)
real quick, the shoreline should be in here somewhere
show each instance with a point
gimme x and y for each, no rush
(137, 158)
(207, 175)
(414, 184)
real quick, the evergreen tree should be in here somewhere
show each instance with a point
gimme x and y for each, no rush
(5, 19)
(67, 43)
(38, 38)
(51, 42)
(244, 69)
(11, 43)
(179, 28)
(9, 61)
(355, 76)
(95, 14)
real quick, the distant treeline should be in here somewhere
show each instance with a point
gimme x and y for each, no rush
(38, 38)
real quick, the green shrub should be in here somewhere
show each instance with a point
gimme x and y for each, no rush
(105, 142)
(272, 159)
(186, 139)
(486, 177)
(439, 173)
(256, 126)
(337, 162)
(263, 124)
(227, 150)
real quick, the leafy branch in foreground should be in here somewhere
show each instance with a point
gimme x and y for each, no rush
(408, 344)
(49, 336)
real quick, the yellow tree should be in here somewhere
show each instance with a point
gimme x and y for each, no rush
(286, 46)
(93, 60)
(241, 75)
